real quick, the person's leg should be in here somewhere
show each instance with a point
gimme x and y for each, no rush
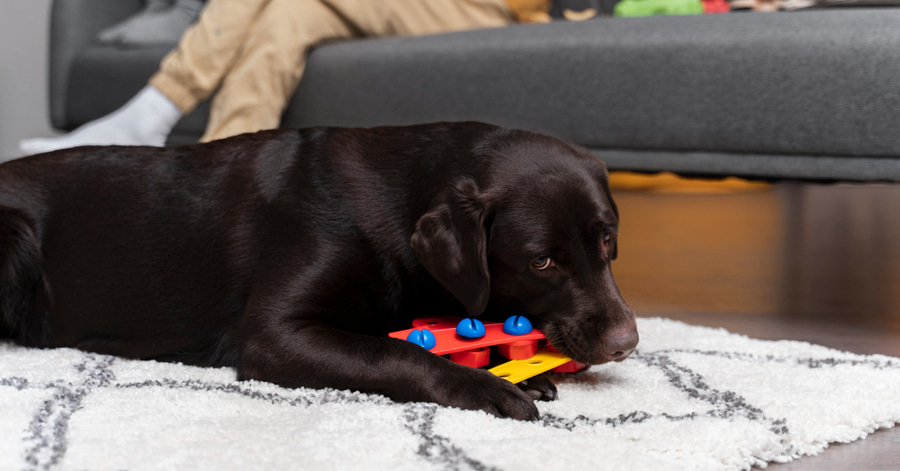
(207, 51)
(419, 17)
(265, 74)
(263, 79)
(187, 75)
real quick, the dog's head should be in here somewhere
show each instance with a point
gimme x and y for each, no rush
(535, 236)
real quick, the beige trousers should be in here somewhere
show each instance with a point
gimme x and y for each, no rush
(254, 51)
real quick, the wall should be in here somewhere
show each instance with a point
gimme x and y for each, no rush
(24, 40)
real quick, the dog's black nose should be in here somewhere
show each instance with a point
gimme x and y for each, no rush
(620, 344)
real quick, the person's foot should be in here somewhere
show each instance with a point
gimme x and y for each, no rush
(160, 23)
(147, 119)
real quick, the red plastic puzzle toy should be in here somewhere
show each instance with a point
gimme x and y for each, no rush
(468, 342)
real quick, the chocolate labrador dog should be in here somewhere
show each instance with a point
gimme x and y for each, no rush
(290, 254)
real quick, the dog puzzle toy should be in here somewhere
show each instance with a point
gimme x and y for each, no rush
(422, 337)
(517, 325)
(468, 342)
(470, 328)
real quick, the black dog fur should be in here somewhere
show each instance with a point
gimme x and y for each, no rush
(290, 254)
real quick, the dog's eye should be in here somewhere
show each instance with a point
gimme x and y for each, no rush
(607, 238)
(542, 263)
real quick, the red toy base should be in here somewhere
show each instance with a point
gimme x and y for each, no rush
(472, 358)
(521, 350)
(570, 367)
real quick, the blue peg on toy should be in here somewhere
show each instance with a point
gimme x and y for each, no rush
(423, 338)
(517, 325)
(470, 328)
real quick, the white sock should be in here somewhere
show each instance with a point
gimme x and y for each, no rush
(146, 120)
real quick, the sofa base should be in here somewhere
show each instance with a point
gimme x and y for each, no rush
(755, 166)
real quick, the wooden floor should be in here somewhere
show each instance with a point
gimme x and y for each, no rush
(812, 262)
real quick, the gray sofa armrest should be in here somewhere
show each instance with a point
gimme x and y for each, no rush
(73, 25)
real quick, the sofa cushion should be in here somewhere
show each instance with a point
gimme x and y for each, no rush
(822, 83)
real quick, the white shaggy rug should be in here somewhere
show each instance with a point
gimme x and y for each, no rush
(690, 398)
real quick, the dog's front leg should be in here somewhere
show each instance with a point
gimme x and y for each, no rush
(319, 356)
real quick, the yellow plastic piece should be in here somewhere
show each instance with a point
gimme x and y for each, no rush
(519, 370)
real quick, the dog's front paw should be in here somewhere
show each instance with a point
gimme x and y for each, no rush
(481, 390)
(539, 388)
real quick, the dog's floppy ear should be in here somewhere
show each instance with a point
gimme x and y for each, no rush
(604, 183)
(451, 243)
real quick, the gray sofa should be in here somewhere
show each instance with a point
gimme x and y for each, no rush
(804, 95)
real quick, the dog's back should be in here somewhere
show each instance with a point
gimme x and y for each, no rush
(100, 243)
(162, 204)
